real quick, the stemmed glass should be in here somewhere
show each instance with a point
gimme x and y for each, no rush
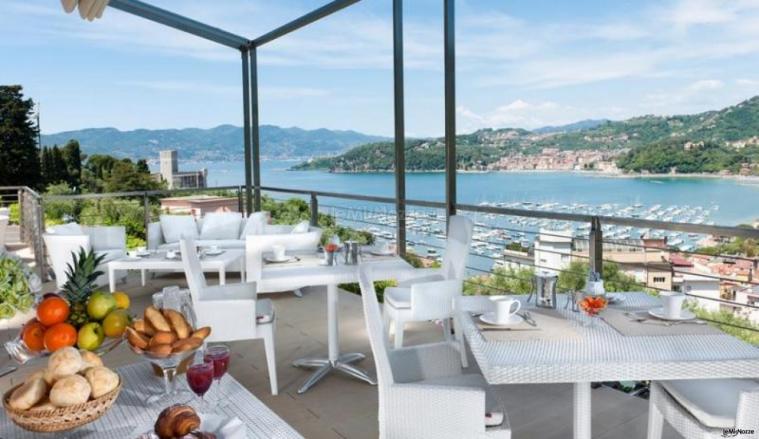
(199, 379)
(218, 356)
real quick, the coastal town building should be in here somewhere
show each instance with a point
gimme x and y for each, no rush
(199, 205)
(169, 172)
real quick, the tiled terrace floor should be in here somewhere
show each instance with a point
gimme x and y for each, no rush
(339, 407)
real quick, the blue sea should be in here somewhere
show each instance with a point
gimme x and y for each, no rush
(728, 201)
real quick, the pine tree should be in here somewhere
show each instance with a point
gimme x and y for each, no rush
(19, 154)
(58, 172)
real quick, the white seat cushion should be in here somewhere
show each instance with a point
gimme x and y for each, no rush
(428, 278)
(70, 229)
(713, 402)
(301, 227)
(176, 227)
(221, 225)
(110, 255)
(398, 297)
(492, 405)
(255, 224)
(264, 311)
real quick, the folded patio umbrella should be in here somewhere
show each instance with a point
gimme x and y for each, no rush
(69, 5)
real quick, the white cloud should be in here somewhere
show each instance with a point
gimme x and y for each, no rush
(520, 113)
(706, 84)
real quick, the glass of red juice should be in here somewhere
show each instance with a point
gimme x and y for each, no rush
(199, 378)
(219, 357)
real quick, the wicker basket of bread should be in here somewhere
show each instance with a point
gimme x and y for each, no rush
(73, 390)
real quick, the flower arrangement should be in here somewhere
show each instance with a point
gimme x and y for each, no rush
(592, 305)
(18, 286)
(331, 247)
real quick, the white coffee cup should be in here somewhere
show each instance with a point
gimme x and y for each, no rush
(132, 253)
(214, 249)
(672, 302)
(505, 307)
(278, 251)
(171, 254)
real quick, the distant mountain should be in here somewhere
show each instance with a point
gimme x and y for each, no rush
(221, 143)
(733, 127)
(572, 127)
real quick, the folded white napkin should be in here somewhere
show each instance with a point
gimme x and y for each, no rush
(223, 427)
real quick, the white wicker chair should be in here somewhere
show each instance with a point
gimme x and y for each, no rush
(233, 311)
(704, 408)
(422, 393)
(428, 294)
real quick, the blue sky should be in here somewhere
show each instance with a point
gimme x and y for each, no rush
(520, 63)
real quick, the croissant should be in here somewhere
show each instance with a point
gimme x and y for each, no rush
(176, 421)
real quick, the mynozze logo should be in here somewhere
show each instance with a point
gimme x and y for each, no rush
(733, 432)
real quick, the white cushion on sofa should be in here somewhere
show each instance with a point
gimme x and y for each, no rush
(70, 229)
(255, 224)
(176, 227)
(301, 227)
(221, 225)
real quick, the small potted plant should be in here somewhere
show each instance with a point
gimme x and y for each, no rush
(18, 291)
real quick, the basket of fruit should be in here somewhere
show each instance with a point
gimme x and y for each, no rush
(76, 316)
(73, 390)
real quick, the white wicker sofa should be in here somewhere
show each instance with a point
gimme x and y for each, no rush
(63, 241)
(228, 230)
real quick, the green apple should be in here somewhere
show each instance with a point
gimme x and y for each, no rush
(91, 336)
(100, 304)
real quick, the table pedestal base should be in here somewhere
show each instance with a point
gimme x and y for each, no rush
(324, 366)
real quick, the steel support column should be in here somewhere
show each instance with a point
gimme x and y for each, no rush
(450, 107)
(400, 129)
(595, 249)
(255, 135)
(246, 131)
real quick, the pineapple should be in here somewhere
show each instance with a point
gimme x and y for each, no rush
(80, 284)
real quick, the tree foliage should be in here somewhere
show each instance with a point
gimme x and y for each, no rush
(19, 154)
(573, 278)
(502, 280)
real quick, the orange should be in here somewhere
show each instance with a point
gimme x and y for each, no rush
(52, 310)
(59, 336)
(33, 335)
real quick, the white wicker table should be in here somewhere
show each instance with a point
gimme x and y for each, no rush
(129, 412)
(158, 262)
(601, 353)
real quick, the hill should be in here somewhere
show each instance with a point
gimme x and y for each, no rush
(221, 143)
(731, 128)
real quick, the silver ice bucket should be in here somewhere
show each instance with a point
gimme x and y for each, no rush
(352, 249)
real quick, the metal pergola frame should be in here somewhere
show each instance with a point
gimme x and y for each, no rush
(249, 53)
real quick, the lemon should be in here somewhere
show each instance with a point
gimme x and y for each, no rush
(122, 300)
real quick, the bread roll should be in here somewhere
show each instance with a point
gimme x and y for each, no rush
(160, 350)
(64, 362)
(102, 380)
(178, 323)
(29, 394)
(136, 339)
(157, 319)
(70, 390)
(43, 405)
(202, 333)
(40, 373)
(162, 337)
(90, 359)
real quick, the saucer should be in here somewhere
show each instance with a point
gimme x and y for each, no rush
(272, 260)
(143, 254)
(380, 252)
(614, 299)
(489, 318)
(213, 252)
(659, 314)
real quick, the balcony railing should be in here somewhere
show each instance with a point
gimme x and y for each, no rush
(652, 265)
